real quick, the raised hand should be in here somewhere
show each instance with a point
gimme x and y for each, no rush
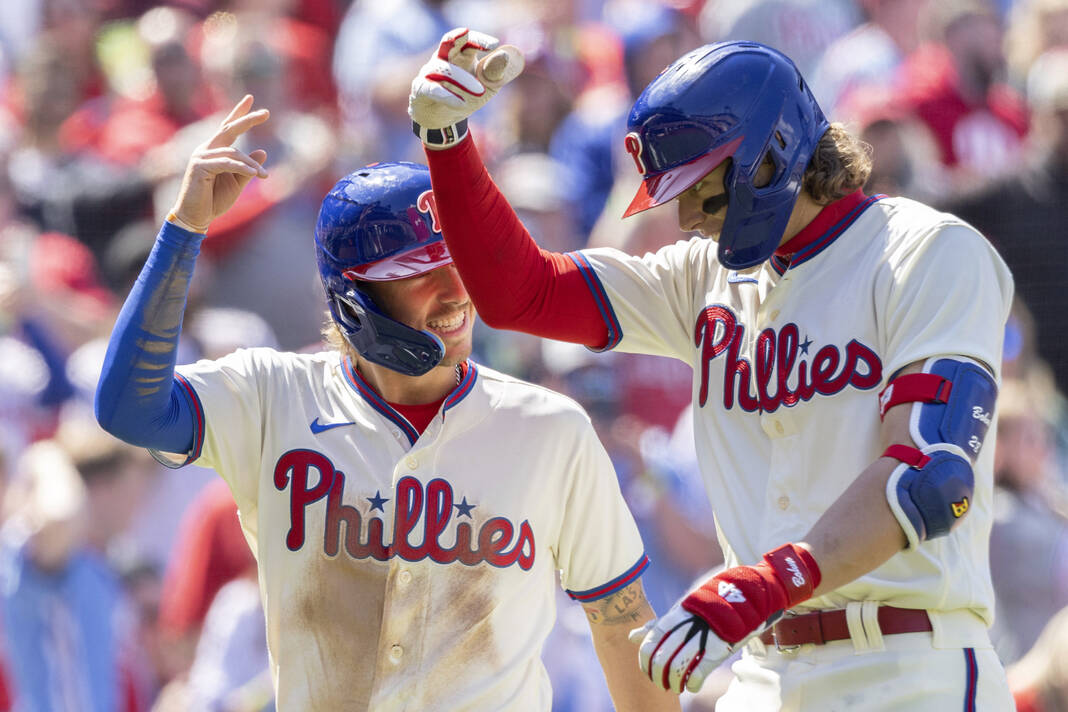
(464, 73)
(217, 172)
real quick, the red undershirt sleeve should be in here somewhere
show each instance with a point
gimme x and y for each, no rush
(513, 283)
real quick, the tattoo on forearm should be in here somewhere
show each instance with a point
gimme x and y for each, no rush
(625, 607)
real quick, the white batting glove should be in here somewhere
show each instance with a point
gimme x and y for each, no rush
(718, 617)
(457, 81)
(678, 650)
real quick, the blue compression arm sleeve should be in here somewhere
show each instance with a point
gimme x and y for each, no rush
(137, 398)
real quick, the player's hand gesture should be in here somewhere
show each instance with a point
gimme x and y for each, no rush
(466, 71)
(681, 648)
(217, 172)
(678, 650)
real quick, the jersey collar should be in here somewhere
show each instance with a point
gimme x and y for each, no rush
(378, 403)
(818, 235)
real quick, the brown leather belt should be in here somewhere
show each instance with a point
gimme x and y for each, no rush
(821, 627)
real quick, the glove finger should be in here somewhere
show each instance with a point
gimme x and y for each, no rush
(666, 655)
(648, 647)
(481, 41)
(662, 627)
(434, 93)
(678, 668)
(465, 53)
(457, 80)
(500, 66)
(702, 670)
(636, 635)
(456, 37)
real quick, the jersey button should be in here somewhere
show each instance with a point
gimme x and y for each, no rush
(775, 315)
(412, 463)
(784, 503)
(778, 427)
(405, 577)
(395, 654)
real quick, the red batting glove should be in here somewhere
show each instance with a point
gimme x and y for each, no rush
(739, 600)
(682, 647)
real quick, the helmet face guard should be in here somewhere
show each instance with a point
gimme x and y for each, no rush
(377, 225)
(737, 100)
(382, 340)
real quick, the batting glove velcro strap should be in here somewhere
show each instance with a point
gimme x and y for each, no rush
(739, 600)
(443, 137)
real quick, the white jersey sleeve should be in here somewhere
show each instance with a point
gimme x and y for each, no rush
(598, 550)
(230, 404)
(648, 302)
(947, 293)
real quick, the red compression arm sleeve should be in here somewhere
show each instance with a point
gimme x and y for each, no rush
(513, 283)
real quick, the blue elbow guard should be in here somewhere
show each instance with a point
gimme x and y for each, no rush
(954, 403)
(953, 408)
(930, 491)
(965, 416)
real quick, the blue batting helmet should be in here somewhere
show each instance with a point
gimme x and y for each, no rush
(378, 224)
(737, 100)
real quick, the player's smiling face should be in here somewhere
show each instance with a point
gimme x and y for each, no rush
(435, 301)
(703, 208)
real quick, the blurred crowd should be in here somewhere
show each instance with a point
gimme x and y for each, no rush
(128, 587)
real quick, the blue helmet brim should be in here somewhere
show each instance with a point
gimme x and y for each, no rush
(662, 187)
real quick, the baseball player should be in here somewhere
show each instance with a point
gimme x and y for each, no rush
(845, 351)
(408, 508)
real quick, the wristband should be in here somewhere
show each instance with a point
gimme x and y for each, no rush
(736, 602)
(445, 137)
(177, 221)
(796, 570)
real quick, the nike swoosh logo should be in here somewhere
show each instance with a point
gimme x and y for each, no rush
(317, 427)
(735, 278)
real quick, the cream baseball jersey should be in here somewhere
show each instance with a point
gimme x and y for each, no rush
(788, 359)
(402, 571)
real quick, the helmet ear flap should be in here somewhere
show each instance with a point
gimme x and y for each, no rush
(778, 154)
(344, 314)
(380, 339)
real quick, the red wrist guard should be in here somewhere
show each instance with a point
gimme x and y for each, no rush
(737, 601)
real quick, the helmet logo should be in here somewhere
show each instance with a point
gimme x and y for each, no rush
(428, 204)
(633, 144)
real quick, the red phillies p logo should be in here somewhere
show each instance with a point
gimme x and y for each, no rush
(427, 203)
(633, 144)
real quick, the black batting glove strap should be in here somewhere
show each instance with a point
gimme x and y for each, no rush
(443, 137)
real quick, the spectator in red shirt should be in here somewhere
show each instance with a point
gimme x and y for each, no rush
(955, 87)
(211, 552)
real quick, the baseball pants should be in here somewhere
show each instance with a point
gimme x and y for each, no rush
(908, 673)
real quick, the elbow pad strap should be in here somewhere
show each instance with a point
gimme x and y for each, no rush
(954, 401)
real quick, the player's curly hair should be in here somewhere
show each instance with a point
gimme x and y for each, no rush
(839, 166)
(335, 340)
